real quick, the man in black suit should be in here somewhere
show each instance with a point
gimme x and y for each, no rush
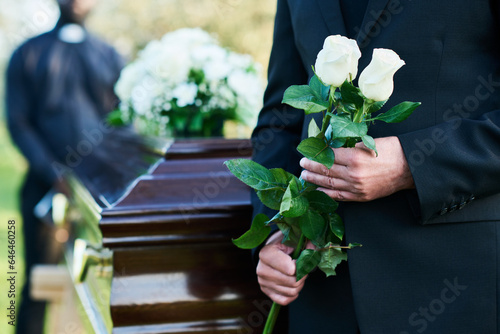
(59, 89)
(427, 208)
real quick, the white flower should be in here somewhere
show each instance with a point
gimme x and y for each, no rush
(185, 94)
(172, 64)
(216, 70)
(248, 88)
(167, 72)
(128, 79)
(376, 81)
(338, 60)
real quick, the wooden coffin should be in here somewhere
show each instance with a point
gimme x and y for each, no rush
(154, 252)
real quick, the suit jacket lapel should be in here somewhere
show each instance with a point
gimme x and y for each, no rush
(373, 12)
(332, 16)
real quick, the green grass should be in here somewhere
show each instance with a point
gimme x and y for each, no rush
(12, 169)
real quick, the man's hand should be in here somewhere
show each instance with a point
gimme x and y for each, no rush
(276, 271)
(359, 175)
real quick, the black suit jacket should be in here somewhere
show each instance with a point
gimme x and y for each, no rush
(429, 261)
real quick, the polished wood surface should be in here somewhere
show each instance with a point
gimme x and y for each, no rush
(175, 269)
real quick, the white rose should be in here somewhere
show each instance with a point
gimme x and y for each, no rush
(376, 81)
(338, 60)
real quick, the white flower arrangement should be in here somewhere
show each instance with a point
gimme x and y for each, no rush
(186, 85)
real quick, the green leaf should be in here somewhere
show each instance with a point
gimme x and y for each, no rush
(398, 113)
(254, 175)
(312, 224)
(354, 245)
(272, 197)
(281, 176)
(317, 149)
(351, 95)
(313, 129)
(318, 88)
(307, 261)
(307, 186)
(336, 225)
(291, 233)
(338, 142)
(256, 235)
(285, 229)
(376, 106)
(116, 118)
(278, 218)
(370, 143)
(344, 127)
(330, 259)
(293, 203)
(303, 97)
(321, 202)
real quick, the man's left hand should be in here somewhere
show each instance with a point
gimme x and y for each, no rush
(359, 175)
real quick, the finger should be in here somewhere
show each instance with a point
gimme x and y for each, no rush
(266, 273)
(275, 257)
(337, 170)
(347, 156)
(277, 298)
(340, 196)
(314, 166)
(344, 156)
(329, 182)
(310, 245)
(288, 291)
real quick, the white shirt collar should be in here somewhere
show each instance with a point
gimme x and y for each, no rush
(72, 33)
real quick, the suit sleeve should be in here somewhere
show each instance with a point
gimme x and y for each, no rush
(279, 127)
(23, 133)
(453, 164)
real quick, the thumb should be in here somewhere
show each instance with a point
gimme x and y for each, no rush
(285, 249)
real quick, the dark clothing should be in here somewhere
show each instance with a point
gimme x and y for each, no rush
(36, 236)
(58, 93)
(429, 260)
(353, 12)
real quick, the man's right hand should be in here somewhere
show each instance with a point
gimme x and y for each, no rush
(276, 271)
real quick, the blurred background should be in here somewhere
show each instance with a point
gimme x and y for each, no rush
(243, 26)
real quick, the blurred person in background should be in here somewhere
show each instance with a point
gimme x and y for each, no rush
(59, 89)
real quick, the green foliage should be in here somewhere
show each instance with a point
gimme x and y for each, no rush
(376, 106)
(293, 204)
(313, 129)
(303, 97)
(307, 261)
(317, 149)
(336, 225)
(344, 127)
(398, 113)
(321, 202)
(256, 235)
(319, 89)
(312, 224)
(303, 210)
(254, 175)
(115, 118)
(330, 258)
(369, 142)
(351, 95)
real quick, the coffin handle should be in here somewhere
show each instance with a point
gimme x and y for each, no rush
(86, 255)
